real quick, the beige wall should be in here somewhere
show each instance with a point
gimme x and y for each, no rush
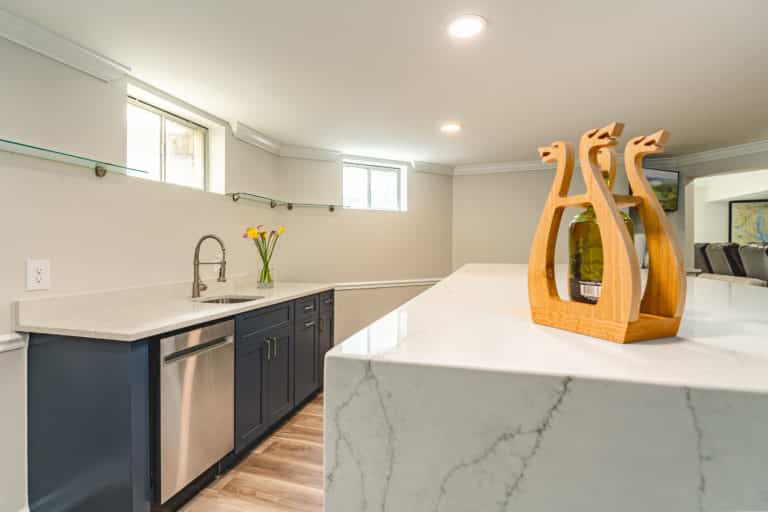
(495, 215)
(358, 245)
(309, 181)
(356, 309)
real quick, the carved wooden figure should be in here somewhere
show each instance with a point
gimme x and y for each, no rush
(621, 314)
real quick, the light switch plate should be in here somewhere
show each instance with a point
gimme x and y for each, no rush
(38, 274)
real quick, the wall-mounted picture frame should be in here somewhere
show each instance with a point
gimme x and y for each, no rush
(748, 221)
(666, 185)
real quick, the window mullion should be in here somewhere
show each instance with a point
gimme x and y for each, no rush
(399, 189)
(162, 148)
(370, 192)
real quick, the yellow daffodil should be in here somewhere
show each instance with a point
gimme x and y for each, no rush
(265, 242)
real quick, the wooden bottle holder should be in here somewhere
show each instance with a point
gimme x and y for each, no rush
(620, 314)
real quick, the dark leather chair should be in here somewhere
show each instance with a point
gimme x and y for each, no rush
(700, 259)
(755, 260)
(725, 259)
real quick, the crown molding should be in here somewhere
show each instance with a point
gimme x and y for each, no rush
(384, 162)
(41, 40)
(247, 134)
(667, 162)
(430, 168)
(305, 153)
(501, 167)
(750, 148)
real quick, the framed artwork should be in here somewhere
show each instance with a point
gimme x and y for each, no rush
(666, 186)
(748, 221)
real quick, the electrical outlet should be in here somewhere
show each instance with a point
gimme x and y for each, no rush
(38, 274)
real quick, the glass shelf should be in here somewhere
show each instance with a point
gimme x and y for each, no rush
(100, 168)
(274, 203)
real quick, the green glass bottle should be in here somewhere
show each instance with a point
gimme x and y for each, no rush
(585, 265)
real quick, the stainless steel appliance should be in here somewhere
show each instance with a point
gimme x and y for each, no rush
(197, 401)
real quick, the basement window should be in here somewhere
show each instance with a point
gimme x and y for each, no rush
(169, 148)
(373, 187)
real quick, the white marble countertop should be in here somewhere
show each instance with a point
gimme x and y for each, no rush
(478, 318)
(138, 313)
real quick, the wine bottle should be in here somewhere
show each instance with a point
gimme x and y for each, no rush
(585, 265)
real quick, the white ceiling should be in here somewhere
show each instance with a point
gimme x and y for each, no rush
(377, 78)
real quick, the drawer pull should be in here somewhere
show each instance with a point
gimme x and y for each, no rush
(309, 307)
(307, 325)
(271, 342)
(328, 301)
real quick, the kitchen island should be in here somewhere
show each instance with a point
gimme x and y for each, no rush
(456, 401)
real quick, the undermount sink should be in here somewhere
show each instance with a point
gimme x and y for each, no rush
(231, 299)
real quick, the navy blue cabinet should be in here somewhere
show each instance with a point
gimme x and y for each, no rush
(325, 331)
(307, 376)
(280, 374)
(88, 425)
(263, 371)
(251, 414)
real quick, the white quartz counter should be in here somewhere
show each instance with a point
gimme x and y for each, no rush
(478, 318)
(134, 314)
(457, 402)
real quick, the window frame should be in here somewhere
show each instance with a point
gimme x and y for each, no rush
(376, 167)
(165, 114)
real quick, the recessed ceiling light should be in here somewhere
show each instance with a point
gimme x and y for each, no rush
(466, 26)
(450, 127)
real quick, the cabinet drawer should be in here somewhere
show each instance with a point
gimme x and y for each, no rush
(263, 319)
(326, 302)
(307, 307)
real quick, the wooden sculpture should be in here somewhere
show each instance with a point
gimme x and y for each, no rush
(620, 314)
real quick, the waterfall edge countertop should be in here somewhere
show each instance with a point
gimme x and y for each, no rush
(138, 313)
(479, 319)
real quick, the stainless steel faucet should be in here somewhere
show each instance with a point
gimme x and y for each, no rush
(197, 285)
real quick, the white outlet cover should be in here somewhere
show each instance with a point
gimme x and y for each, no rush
(38, 274)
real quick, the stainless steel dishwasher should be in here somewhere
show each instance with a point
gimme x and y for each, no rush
(197, 400)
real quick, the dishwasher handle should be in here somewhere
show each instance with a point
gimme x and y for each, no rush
(197, 350)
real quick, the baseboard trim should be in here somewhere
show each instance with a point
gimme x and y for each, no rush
(373, 285)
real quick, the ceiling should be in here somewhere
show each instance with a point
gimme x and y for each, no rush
(377, 78)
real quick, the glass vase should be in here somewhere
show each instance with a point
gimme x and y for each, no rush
(265, 276)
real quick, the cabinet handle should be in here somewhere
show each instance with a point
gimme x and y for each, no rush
(268, 341)
(276, 340)
(320, 325)
(307, 325)
(309, 307)
(328, 301)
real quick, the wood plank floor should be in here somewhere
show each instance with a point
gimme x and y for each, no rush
(284, 473)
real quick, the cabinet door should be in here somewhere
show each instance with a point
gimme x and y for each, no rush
(325, 342)
(251, 400)
(307, 378)
(280, 376)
